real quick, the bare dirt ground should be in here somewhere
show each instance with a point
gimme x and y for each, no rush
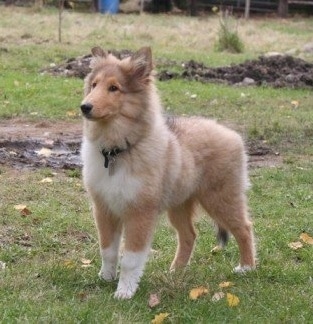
(22, 141)
(27, 144)
(274, 70)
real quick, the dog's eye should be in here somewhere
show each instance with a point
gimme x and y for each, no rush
(93, 85)
(113, 88)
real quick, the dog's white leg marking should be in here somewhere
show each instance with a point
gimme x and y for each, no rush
(243, 269)
(132, 266)
(109, 259)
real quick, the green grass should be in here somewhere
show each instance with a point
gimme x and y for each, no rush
(44, 281)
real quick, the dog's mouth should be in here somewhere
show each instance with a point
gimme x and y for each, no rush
(88, 116)
(91, 117)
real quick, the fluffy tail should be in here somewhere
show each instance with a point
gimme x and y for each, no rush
(222, 236)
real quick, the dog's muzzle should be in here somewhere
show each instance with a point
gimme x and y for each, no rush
(86, 108)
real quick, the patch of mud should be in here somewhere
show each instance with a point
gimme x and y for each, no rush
(275, 71)
(22, 144)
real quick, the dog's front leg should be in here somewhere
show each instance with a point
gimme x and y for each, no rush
(138, 230)
(109, 232)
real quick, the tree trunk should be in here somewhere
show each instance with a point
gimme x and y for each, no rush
(283, 8)
(247, 9)
(193, 7)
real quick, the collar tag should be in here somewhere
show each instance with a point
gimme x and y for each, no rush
(109, 156)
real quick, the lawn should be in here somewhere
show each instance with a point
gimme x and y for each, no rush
(50, 251)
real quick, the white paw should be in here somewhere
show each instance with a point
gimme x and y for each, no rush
(107, 275)
(243, 269)
(127, 286)
(124, 294)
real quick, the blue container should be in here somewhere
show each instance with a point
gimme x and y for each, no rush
(109, 6)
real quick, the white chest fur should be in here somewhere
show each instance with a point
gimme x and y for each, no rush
(118, 189)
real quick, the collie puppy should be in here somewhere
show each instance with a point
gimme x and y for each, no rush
(138, 163)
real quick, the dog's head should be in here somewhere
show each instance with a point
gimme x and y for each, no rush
(115, 86)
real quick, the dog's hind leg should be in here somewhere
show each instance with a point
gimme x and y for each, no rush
(230, 212)
(109, 232)
(181, 219)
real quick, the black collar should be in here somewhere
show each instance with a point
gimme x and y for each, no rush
(110, 155)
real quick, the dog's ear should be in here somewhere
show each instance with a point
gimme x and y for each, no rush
(98, 52)
(141, 64)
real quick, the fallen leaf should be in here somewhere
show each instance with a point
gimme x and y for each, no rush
(217, 296)
(44, 152)
(71, 113)
(82, 296)
(195, 293)
(159, 319)
(216, 249)
(85, 263)
(295, 245)
(69, 264)
(154, 300)
(20, 207)
(232, 300)
(295, 103)
(25, 212)
(46, 180)
(226, 284)
(306, 238)
(2, 265)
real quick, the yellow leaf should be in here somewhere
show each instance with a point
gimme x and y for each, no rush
(217, 296)
(216, 249)
(69, 264)
(226, 284)
(46, 180)
(71, 113)
(195, 293)
(232, 300)
(306, 238)
(295, 103)
(20, 207)
(159, 319)
(295, 245)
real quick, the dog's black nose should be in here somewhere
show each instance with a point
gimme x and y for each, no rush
(86, 108)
